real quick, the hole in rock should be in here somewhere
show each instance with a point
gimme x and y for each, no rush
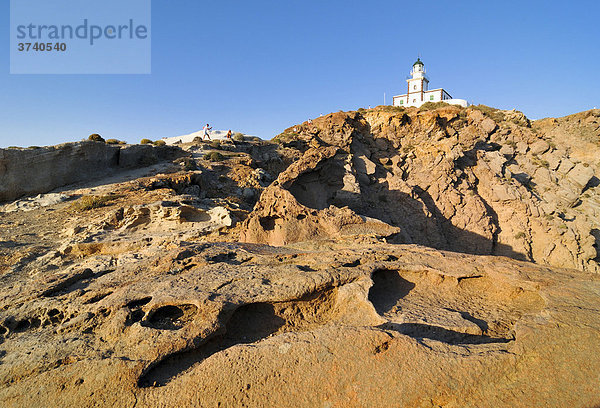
(226, 257)
(55, 315)
(53, 312)
(25, 324)
(248, 324)
(351, 264)
(186, 253)
(318, 189)
(134, 316)
(138, 302)
(172, 317)
(193, 215)
(388, 288)
(22, 325)
(97, 298)
(268, 223)
(68, 284)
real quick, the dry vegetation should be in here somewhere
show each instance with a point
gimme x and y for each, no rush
(87, 203)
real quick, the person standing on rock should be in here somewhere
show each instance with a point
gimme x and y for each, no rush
(228, 137)
(206, 129)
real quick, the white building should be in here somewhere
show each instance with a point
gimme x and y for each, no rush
(418, 91)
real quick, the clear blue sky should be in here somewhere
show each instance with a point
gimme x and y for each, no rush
(261, 66)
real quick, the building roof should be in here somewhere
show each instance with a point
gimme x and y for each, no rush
(418, 62)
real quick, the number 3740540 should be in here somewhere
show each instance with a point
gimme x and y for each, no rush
(60, 47)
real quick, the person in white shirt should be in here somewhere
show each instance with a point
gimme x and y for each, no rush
(206, 129)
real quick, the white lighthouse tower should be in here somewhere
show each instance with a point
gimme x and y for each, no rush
(418, 91)
(419, 81)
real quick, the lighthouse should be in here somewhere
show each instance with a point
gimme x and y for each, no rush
(418, 91)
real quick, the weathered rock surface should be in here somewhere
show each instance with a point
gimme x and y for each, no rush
(161, 290)
(348, 325)
(42, 169)
(450, 178)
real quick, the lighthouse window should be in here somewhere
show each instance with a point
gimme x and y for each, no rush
(431, 97)
(415, 87)
(401, 101)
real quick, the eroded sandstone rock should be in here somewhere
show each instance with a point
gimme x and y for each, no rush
(150, 299)
(42, 169)
(199, 325)
(450, 178)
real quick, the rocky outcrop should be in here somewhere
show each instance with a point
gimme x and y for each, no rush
(474, 180)
(143, 221)
(137, 292)
(230, 324)
(42, 169)
(296, 208)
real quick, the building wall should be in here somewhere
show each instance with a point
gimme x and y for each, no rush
(435, 95)
(438, 95)
(417, 85)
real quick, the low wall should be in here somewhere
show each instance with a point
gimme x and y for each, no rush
(39, 170)
(460, 102)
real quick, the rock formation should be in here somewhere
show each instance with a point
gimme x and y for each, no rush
(389, 257)
(450, 178)
(41, 169)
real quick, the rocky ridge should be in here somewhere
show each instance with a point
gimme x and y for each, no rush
(339, 266)
(25, 172)
(451, 178)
